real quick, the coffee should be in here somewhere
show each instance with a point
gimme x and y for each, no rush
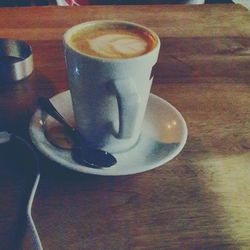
(112, 41)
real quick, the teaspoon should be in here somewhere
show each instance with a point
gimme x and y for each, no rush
(81, 152)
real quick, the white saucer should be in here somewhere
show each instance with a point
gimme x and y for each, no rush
(163, 136)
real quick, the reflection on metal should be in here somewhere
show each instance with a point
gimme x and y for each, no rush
(16, 61)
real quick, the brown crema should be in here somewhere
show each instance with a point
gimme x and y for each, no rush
(115, 41)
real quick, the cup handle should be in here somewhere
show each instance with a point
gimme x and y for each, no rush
(128, 102)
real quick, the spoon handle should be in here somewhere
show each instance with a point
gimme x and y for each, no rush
(48, 107)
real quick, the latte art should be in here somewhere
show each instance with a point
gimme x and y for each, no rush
(112, 41)
(118, 45)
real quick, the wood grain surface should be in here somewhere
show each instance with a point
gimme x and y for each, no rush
(199, 200)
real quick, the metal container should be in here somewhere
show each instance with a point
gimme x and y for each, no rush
(16, 60)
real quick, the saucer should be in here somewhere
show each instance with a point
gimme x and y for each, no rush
(164, 134)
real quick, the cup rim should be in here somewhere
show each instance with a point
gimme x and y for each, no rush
(76, 27)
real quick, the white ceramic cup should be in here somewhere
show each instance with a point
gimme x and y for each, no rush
(109, 96)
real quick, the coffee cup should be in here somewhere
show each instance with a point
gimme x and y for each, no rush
(109, 69)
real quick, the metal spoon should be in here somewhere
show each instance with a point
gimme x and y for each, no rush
(81, 152)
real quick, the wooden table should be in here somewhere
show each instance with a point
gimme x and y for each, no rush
(199, 200)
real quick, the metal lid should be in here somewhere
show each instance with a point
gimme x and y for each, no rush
(16, 61)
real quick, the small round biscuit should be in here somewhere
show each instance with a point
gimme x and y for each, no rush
(58, 136)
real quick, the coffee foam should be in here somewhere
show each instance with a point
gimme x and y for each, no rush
(118, 45)
(113, 41)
